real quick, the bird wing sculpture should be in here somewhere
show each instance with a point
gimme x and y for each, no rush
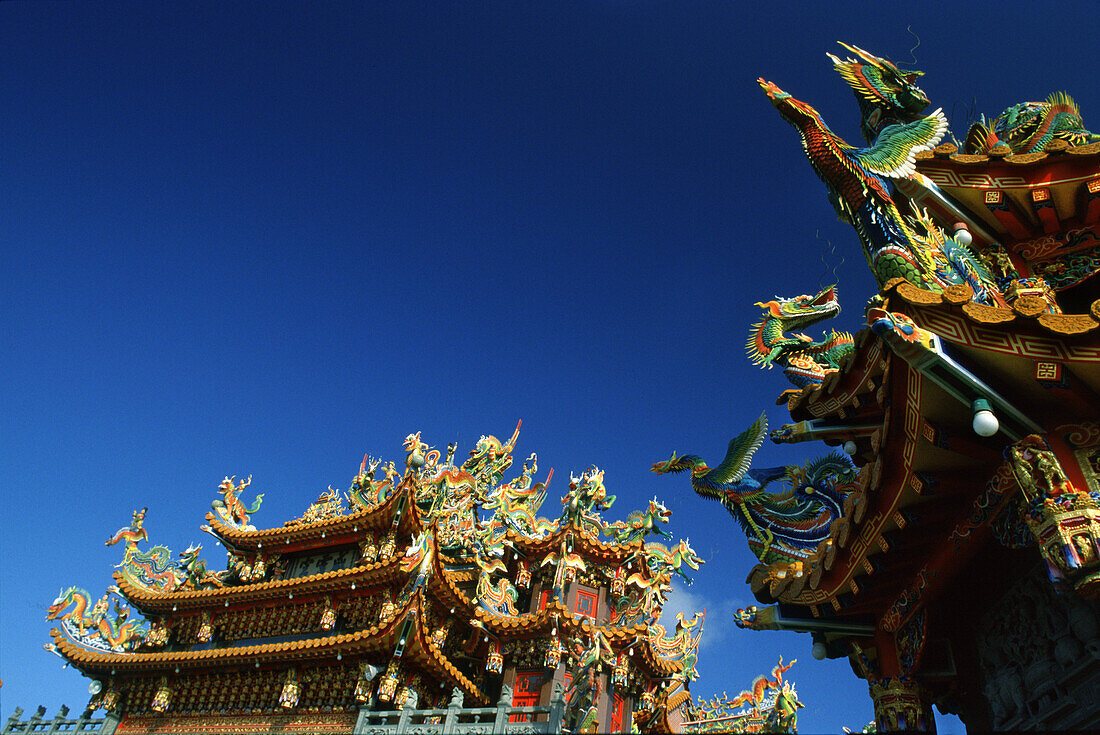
(894, 153)
(739, 452)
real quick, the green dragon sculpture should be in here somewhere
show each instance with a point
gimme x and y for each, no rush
(1028, 127)
(662, 560)
(92, 625)
(804, 361)
(640, 523)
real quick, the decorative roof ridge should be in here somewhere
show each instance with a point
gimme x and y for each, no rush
(1054, 149)
(424, 640)
(237, 536)
(648, 655)
(77, 654)
(529, 621)
(580, 535)
(140, 596)
(865, 364)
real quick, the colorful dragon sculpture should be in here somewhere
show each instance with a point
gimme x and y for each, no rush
(587, 496)
(230, 509)
(781, 527)
(858, 180)
(497, 598)
(152, 569)
(662, 560)
(760, 685)
(365, 491)
(640, 523)
(771, 705)
(95, 628)
(518, 502)
(1027, 127)
(804, 361)
(195, 574)
(491, 458)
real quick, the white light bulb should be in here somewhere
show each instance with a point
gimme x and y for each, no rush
(985, 423)
(819, 651)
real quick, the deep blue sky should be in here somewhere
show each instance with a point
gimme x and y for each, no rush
(265, 238)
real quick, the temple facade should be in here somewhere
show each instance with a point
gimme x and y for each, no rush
(951, 551)
(432, 598)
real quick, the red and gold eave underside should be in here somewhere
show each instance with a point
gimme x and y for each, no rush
(1019, 197)
(906, 419)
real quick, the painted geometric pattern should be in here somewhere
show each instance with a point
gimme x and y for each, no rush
(586, 603)
(960, 330)
(825, 405)
(526, 692)
(976, 180)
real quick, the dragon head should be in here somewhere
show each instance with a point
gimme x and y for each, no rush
(658, 510)
(802, 311)
(886, 94)
(190, 553)
(688, 554)
(62, 601)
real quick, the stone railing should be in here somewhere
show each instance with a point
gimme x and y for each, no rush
(503, 718)
(61, 723)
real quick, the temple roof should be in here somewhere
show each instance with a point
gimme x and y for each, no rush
(927, 482)
(159, 602)
(323, 532)
(379, 638)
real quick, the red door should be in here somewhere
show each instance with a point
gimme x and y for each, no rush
(617, 713)
(526, 692)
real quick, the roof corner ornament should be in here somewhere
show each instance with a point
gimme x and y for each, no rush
(230, 510)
